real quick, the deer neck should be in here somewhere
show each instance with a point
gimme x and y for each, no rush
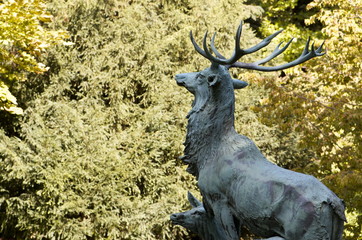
(207, 128)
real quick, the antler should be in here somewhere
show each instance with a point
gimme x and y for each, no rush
(238, 53)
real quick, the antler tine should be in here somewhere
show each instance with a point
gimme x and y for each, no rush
(275, 53)
(262, 44)
(238, 53)
(319, 49)
(197, 48)
(305, 56)
(213, 48)
(312, 47)
(206, 53)
(306, 47)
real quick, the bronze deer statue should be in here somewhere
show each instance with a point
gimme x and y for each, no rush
(239, 186)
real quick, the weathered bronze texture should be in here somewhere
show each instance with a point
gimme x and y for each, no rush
(239, 186)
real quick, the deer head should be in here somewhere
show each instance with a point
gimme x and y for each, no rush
(212, 113)
(190, 219)
(197, 220)
(201, 83)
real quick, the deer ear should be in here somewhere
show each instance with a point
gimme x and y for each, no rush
(238, 84)
(193, 201)
(213, 79)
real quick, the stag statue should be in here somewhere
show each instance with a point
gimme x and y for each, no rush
(239, 186)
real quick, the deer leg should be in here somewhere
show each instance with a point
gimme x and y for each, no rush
(225, 222)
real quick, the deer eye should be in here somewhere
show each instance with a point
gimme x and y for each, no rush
(211, 78)
(196, 213)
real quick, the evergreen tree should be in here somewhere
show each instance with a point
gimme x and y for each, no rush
(96, 153)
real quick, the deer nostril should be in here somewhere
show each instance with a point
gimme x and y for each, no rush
(176, 217)
(180, 81)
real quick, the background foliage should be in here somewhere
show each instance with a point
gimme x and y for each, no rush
(22, 40)
(95, 154)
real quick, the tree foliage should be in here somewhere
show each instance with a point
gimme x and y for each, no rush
(23, 39)
(96, 153)
(323, 102)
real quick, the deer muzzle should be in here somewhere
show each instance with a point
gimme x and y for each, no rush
(176, 218)
(180, 79)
